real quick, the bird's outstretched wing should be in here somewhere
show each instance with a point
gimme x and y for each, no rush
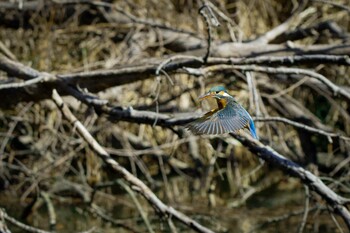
(229, 119)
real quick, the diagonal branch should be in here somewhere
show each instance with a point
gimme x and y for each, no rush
(135, 183)
(19, 224)
(313, 182)
(148, 117)
(38, 85)
(268, 154)
(295, 19)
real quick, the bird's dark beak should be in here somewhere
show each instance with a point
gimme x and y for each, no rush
(206, 95)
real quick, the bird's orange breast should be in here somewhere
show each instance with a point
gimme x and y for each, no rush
(221, 103)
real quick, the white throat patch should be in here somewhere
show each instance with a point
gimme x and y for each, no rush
(225, 94)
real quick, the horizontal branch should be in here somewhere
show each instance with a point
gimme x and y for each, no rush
(130, 114)
(302, 126)
(40, 84)
(252, 50)
(135, 183)
(280, 70)
(94, 81)
(151, 118)
(285, 60)
(268, 154)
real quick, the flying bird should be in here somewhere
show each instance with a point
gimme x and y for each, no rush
(228, 117)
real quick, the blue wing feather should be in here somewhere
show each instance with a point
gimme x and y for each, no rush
(231, 118)
(252, 129)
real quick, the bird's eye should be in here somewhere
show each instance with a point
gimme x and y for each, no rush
(217, 92)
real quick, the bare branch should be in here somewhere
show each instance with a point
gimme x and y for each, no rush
(40, 84)
(135, 183)
(22, 225)
(295, 19)
(282, 70)
(334, 4)
(301, 126)
(336, 202)
(209, 19)
(266, 153)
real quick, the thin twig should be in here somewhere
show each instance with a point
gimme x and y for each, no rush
(210, 19)
(271, 156)
(100, 80)
(94, 209)
(332, 3)
(131, 17)
(302, 126)
(147, 117)
(296, 18)
(306, 209)
(336, 222)
(288, 89)
(175, 58)
(138, 205)
(22, 225)
(284, 217)
(281, 70)
(51, 210)
(133, 181)
(12, 127)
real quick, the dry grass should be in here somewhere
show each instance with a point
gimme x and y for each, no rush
(40, 151)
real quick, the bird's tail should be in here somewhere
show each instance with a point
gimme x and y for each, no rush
(252, 129)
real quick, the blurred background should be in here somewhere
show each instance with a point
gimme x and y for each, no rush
(213, 179)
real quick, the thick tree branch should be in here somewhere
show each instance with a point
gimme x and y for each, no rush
(268, 154)
(40, 84)
(313, 182)
(135, 183)
(251, 50)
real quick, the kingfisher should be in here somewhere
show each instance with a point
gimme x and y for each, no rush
(228, 117)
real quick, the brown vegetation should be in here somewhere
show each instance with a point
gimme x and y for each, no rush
(94, 96)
